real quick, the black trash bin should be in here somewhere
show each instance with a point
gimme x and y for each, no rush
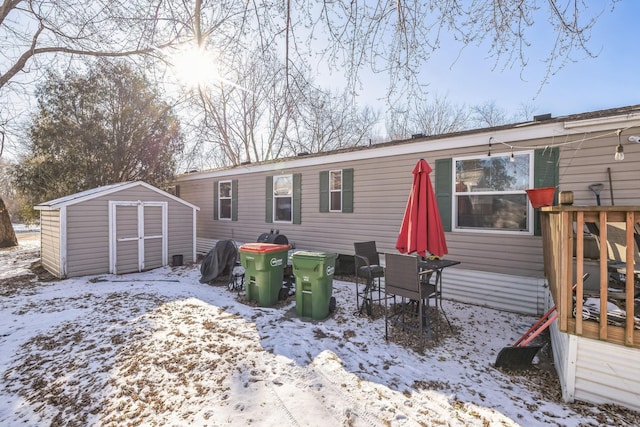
(176, 260)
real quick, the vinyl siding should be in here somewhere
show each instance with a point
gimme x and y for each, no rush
(379, 200)
(581, 165)
(382, 182)
(202, 190)
(180, 227)
(50, 241)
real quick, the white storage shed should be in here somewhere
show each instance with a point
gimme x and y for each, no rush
(118, 228)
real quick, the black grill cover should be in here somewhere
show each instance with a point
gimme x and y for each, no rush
(220, 260)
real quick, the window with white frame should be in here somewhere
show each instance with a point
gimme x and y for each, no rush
(489, 193)
(224, 199)
(283, 198)
(335, 191)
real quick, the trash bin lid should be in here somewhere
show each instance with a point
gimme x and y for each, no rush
(263, 247)
(313, 254)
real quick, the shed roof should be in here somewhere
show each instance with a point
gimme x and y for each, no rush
(82, 196)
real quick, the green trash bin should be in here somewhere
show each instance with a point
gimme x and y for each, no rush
(263, 271)
(314, 283)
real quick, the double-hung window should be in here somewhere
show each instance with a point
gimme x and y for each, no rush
(489, 193)
(283, 198)
(335, 191)
(224, 199)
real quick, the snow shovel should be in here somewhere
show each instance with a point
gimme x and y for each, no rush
(520, 355)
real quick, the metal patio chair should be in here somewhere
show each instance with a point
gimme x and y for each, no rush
(403, 278)
(370, 271)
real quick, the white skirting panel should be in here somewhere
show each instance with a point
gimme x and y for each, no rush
(596, 371)
(204, 245)
(564, 356)
(500, 291)
(607, 373)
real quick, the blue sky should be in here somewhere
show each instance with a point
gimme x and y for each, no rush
(610, 80)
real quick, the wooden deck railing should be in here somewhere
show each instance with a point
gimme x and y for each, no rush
(562, 246)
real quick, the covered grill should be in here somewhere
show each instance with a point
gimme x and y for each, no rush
(273, 237)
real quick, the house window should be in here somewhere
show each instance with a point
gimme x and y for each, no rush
(282, 198)
(224, 200)
(335, 191)
(489, 193)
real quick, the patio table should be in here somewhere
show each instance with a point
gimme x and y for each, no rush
(437, 266)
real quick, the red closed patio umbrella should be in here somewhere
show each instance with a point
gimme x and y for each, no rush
(421, 229)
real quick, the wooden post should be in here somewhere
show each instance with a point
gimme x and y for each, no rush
(579, 270)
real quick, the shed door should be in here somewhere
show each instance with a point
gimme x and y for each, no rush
(137, 236)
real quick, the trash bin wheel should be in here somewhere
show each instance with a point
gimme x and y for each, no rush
(332, 304)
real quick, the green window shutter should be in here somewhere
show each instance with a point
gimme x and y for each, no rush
(268, 214)
(297, 198)
(324, 191)
(347, 190)
(443, 191)
(234, 200)
(215, 199)
(545, 167)
(545, 174)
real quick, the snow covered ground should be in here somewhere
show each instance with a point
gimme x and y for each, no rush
(159, 348)
(26, 228)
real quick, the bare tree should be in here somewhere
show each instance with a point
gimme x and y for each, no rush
(325, 121)
(245, 121)
(398, 37)
(391, 37)
(35, 34)
(427, 117)
(439, 117)
(489, 114)
(394, 38)
(263, 116)
(398, 124)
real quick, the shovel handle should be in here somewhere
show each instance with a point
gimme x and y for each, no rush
(542, 328)
(547, 319)
(543, 319)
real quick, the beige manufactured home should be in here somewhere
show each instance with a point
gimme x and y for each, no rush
(119, 228)
(328, 201)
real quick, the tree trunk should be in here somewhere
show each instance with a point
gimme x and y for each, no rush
(7, 235)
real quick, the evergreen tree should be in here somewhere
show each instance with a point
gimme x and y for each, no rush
(106, 126)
